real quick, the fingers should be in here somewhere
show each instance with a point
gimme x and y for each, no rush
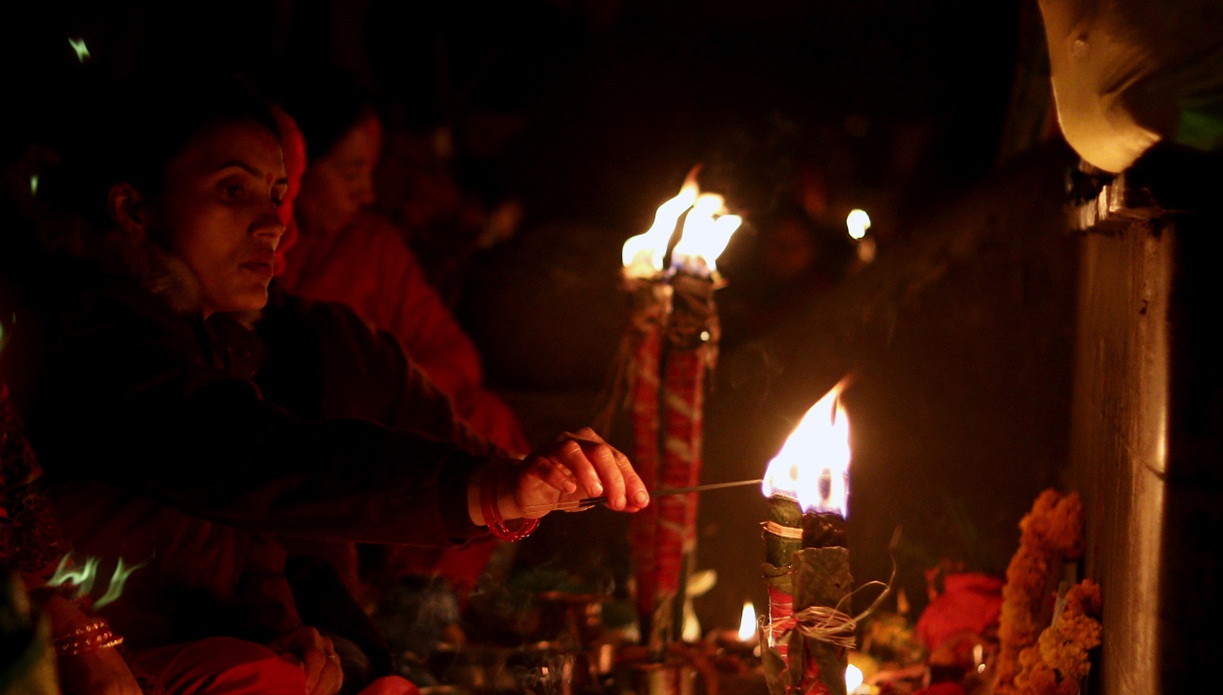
(558, 470)
(314, 662)
(637, 496)
(584, 462)
(604, 470)
(605, 462)
(318, 659)
(576, 465)
(332, 678)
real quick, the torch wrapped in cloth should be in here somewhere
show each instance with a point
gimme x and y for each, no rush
(639, 368)
(806, 568)
(670, 344)
(689, 352)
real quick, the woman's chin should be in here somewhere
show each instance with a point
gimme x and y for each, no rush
(253, 300)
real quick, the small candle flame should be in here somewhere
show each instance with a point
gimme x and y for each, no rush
(853, 678)
(643, 254)
(813, 465)
(858, 222)
(747, 623)
(707, 232)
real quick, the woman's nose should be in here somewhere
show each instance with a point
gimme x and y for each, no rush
(269, 227)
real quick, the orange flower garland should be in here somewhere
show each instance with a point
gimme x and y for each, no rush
(1058, 660)
(1052, 660)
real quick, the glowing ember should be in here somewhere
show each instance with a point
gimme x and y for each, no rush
(707, 231)
(82, 51)
(747, 623)
(643, 254)
(853, 678)
(813, 465)
(858, 222)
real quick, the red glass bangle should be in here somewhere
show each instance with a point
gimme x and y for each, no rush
(489, 489)
(88, 638)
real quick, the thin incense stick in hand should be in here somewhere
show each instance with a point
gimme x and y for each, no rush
(588, 502)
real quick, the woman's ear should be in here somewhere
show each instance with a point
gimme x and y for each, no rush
(127, 209)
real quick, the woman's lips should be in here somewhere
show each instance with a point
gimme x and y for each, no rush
(263, 265)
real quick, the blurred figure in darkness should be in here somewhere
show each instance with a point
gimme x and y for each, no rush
(347, 252)
(785, 261)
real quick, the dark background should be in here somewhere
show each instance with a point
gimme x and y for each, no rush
(931, 114)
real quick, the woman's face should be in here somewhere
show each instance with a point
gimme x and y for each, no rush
(218, 212)
(338, 185)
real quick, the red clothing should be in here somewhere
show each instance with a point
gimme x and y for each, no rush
(227, 666)
(370, 268)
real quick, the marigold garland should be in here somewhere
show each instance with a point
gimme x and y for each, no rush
(1059, 660)
(1052, 660)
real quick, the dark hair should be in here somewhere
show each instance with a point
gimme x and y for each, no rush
(147, 121)
(326, 106)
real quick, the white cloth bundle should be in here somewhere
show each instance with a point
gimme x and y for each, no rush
(1129, 73)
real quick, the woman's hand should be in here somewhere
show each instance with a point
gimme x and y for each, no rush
(574, 466)
(316, 655)
(102, 671)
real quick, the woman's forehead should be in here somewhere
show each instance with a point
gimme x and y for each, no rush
(243, 143)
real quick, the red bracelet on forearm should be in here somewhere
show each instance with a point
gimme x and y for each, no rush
(89, 638)
(489, 494)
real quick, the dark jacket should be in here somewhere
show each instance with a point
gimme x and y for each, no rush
(158, 450)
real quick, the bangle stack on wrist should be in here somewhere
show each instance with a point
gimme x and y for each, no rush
(489, 494)
(89, 638)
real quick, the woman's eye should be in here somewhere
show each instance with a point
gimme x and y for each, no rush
(233, 191)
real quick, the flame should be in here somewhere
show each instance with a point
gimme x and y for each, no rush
(84, 576)
(853, 678)
(813, 465)
(858, 222)
(67, 572)
(643, 254)
(707, 232)
(117, 580)
(747, 623)
(82, 51)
